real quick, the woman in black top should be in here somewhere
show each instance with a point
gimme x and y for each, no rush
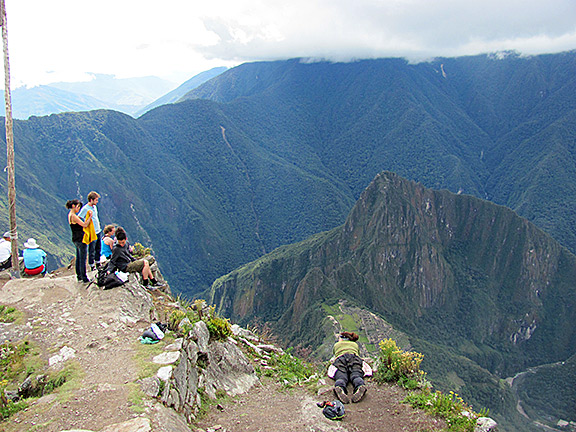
(77, 226)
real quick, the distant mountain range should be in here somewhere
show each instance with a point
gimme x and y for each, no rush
(132, 96)
(176, 94)
(267, 154)
(482, 292)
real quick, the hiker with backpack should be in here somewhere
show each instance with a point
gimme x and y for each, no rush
(123, 260)
(348, 366)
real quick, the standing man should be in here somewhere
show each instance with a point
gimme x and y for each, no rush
(6, 251)
(95, 246)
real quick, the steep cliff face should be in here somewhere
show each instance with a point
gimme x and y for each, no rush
(449, 269)
(480, 291)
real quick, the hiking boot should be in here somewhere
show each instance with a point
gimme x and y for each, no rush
(341, 394)
(359, 393)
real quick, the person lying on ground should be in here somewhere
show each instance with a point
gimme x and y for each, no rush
(349, 368)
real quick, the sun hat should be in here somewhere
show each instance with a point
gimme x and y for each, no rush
(31, 244)
(7, 235)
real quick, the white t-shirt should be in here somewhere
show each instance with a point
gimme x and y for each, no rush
(5, 250)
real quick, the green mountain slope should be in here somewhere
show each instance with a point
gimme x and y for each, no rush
(496, 127)
(284, 149)
(207, 199)
(484, 293)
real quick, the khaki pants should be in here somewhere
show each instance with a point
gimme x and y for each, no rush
(138, 265)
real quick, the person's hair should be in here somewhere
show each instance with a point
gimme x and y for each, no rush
(108, 228)
(120, 234)
(72, 203)
(93, 195)
(351, 336)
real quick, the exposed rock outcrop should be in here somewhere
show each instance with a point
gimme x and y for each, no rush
(210, 366)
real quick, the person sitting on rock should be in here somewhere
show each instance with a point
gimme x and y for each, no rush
(6, 251)
(123, 260)
(108, 241)
(349, 368)
(34, 258)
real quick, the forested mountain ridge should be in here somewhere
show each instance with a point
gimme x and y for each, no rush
(183, 181)
(500, 127)
(481, 291)
(285, 148)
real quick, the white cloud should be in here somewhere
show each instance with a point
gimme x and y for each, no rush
(65, 39)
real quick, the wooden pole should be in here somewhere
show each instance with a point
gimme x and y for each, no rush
(10, 146)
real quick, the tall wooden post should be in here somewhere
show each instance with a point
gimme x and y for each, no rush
(9, 145)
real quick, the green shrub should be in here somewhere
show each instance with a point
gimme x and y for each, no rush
(289, 370)
(458, 415)
(219, 328)
(17, 362)
(12, 359)
(396, 365)
(8, 314)
(140, 251)
(8, 407)
(174, 319)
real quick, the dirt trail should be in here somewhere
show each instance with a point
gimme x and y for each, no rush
(268, 408)
(100, 330)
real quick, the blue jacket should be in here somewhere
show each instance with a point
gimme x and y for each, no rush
(33, 258)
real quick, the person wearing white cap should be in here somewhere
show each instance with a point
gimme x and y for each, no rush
(34, 258)
(6, 251)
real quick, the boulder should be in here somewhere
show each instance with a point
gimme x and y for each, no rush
(228, 370)
(486, 424)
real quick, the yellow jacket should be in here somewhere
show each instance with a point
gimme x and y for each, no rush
(89, 233)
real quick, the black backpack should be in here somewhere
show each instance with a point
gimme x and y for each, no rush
(107, 280)
(101, 276)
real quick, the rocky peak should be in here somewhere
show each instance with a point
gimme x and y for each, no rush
(459, 276)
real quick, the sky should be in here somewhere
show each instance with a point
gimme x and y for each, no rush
(68, 40)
